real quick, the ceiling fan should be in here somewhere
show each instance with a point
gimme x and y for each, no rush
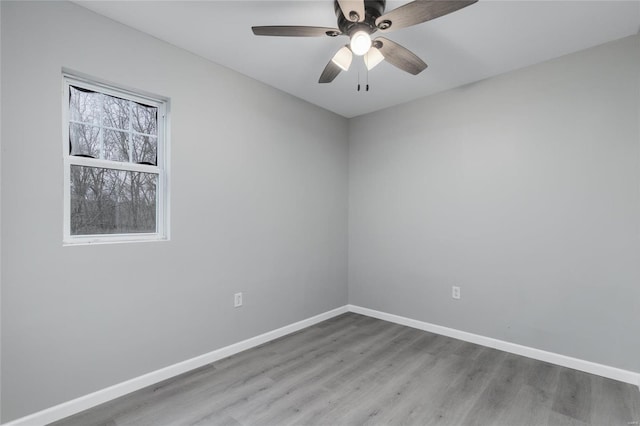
(358, 20)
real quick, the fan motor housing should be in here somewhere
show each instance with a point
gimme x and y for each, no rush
(373, 9)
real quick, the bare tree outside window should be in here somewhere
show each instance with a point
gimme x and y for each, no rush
(107, 132)
(109, 201)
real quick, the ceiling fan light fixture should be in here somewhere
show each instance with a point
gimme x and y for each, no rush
(373, 58)
(360, 43)
(343, 58)
(358, 19)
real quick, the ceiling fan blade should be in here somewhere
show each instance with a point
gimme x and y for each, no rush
(418, 11)
(330, 72)
(295, 31)
(399, 56)
(340, 61)
(353, 10)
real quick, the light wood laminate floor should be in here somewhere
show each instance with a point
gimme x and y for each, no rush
(356, 370)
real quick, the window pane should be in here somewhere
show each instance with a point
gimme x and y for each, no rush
(116, 145)
(85, 140)
(116, 112)
(84, 106)
(145, 119)
(144, 149)
(108, 201)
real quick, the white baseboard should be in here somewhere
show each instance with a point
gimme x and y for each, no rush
(551, 357)
(96, 398)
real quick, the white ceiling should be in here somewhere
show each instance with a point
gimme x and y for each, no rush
(480, 41)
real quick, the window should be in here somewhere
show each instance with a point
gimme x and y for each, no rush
(115, 170)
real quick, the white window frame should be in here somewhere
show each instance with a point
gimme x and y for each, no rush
(162, 196)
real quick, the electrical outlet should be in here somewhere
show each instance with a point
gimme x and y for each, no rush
(455, 292)
(237, 300)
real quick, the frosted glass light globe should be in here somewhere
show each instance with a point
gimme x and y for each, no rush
(360, 43)
(343, 58)
(372, 58)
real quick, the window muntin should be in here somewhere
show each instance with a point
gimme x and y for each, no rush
(115, 180)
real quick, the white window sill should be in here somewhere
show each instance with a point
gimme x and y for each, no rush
(92, 241)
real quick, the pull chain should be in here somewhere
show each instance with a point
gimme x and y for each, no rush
(366, 76)
(367, 79)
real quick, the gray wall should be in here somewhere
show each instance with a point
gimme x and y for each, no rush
(0, 215)
(258, 204)
(524, 190)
